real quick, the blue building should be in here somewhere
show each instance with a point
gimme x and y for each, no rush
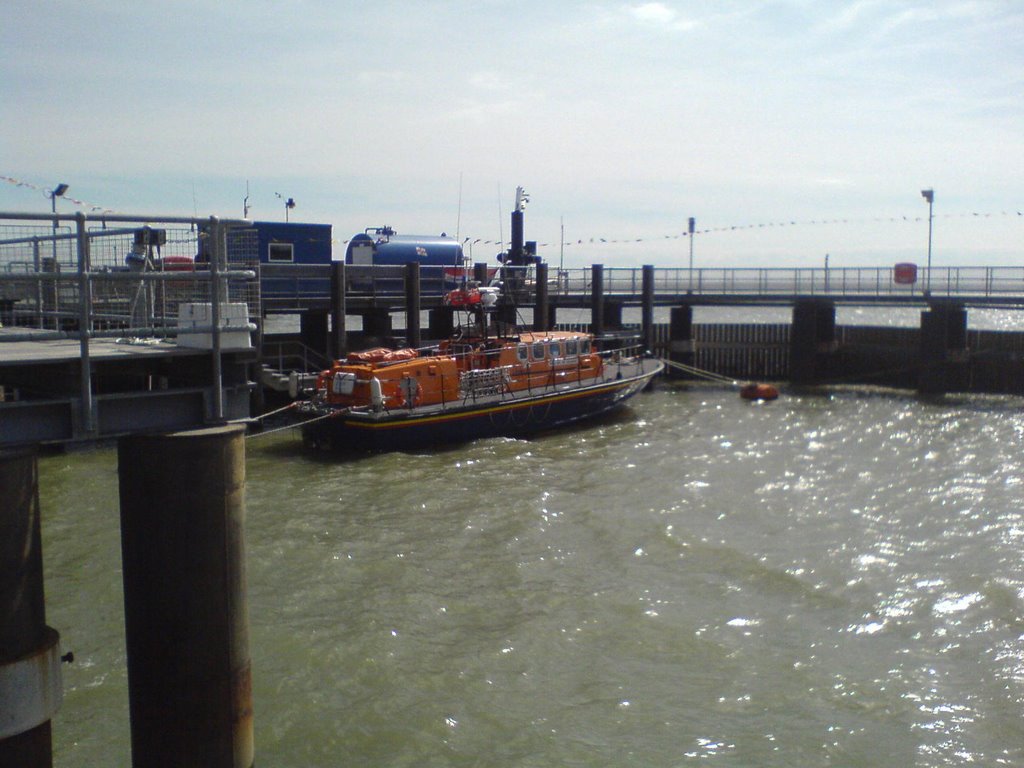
(283, 242)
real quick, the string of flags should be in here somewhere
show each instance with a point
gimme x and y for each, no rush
(91, 207)
(623, 241)
(741, 227)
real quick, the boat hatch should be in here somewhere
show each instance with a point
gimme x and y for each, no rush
(343, 383)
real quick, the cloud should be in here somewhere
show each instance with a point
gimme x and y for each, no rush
(659, 14)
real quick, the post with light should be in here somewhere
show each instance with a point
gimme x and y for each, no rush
(692, 224)
(288, 204)
(52, 293)
(929, 195)
(56, 192)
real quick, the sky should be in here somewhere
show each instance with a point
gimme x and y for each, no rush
(790, 130)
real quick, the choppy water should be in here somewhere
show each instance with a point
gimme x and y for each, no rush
(823, 580)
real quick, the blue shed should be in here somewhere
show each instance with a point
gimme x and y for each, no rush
(283, 242)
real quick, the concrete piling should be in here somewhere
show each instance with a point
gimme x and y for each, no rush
(186, 616)
(30, 683)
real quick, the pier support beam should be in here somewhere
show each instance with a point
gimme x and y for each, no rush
(647, 307)
(441, 323)
(597, 299)
(612, 316)
(813, 335)
(377, 324)
(30, 686)
(680, 338)
(313, 331)
(412, 305)
(186, 617)
(541, 320)
(943, 349)
(339, 332)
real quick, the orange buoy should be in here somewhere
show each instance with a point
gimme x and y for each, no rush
(756, 391)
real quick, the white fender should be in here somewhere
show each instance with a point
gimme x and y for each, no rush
(376, 395)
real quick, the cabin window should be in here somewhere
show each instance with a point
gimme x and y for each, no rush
(280, 252)
(570, 347)
(556, 349)
(584, 346)
(537, 353)
(522, 352)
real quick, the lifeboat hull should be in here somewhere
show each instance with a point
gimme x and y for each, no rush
(500, 416)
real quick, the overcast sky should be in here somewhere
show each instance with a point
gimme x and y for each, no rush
(788, 129)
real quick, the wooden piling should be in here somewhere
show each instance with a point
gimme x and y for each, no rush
(30, 688)
(186, 617)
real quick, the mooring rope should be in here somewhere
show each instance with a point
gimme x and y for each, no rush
(701, 373)
(279, 410)
(290, 426)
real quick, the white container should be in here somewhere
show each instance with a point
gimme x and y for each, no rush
(234, 325)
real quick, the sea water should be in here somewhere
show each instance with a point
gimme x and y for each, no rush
(830, 579)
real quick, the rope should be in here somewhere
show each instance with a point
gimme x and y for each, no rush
(279, 410)
(701, 373)
(291, 426)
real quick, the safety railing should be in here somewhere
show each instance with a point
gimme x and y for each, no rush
(882, 282)
(62, 277)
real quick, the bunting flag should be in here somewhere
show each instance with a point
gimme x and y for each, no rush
(762, 225)
(90, 207)
(601, 240)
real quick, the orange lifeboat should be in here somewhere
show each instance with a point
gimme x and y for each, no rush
(755, 391)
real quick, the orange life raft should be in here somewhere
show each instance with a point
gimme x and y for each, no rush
(758, 392)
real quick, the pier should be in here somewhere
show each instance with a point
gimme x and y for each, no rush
(152, 330)
(127, 323)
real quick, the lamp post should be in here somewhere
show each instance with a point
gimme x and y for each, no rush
(929, 195)
(691, 226)
(56, 192)
(288, 204)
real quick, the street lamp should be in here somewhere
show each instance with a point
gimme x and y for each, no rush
(929, 195)
(288, 204)
(57, 191)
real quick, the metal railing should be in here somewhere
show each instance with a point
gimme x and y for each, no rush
(311, 283)
(851, 282)
(83, 282)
